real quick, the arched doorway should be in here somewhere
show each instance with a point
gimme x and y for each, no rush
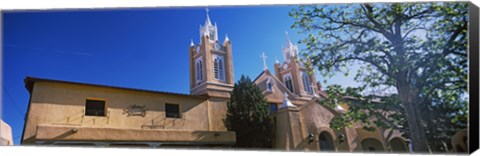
(325, 141)
(398, 145)
(372, 145)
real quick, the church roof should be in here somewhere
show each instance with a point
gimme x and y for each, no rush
(29, 82)
(320, 92)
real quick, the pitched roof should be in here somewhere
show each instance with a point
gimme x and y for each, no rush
(320, 92)
(290, 93)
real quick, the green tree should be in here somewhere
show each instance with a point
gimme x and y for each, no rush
(247, 115)
(420, 49)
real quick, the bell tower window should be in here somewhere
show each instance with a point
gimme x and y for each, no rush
(212, 36)
(306, 83)
(199, 69)
(288, 82)
(218, 67)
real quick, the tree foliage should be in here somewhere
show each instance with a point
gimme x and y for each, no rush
(247, 115)
(419, 49)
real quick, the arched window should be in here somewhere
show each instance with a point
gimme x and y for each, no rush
(218, 67)
(199, 69)
(212, 35)
(288, 82)
(269, 84)
(306, 83)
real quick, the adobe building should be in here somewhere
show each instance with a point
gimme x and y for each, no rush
(302, 123)
(72, 113)
(5, 134)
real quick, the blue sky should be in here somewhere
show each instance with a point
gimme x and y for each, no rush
(137, 48)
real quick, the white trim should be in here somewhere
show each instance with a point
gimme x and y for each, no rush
(195, 91)
(286, 102)
(221, 84)
(205, 83)
(201, 84)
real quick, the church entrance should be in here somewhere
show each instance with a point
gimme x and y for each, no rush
(398, 145)
(326, 142)
(372, 145)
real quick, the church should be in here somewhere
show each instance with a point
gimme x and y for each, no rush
(64, 113)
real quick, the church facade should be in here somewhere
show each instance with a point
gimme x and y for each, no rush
(72, 113)
(302, 123)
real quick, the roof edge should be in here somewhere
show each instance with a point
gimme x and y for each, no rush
(29, 82)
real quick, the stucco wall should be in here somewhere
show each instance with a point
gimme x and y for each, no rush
(92, 134)
(5, 134)
(217, 114)
(63, 104)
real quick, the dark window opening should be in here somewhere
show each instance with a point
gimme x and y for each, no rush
(172, 110)
(95, 108)
(273, 107)
(288, 83)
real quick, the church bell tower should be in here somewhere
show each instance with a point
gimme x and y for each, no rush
(295, 76)
(211, 66)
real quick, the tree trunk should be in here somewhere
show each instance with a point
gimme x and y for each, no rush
(416, 131)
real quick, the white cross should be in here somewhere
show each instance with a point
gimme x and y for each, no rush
(206, 9)
(264, 58)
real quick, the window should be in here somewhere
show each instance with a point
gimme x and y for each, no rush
(199, 69)
(95, 108)
(288, 82)
(218, 67)
(212, 35)
(269, 84)
(273, 107)
(172, 110)
(306, 83)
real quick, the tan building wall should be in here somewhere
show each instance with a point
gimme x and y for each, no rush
(5, 134)
(57, 105)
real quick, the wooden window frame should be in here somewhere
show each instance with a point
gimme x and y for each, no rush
(179, 111)
(96, 99)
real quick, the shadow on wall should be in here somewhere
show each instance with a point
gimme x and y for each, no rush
(398, 145)
(78, 118)
(161, 122)
(215, 137)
